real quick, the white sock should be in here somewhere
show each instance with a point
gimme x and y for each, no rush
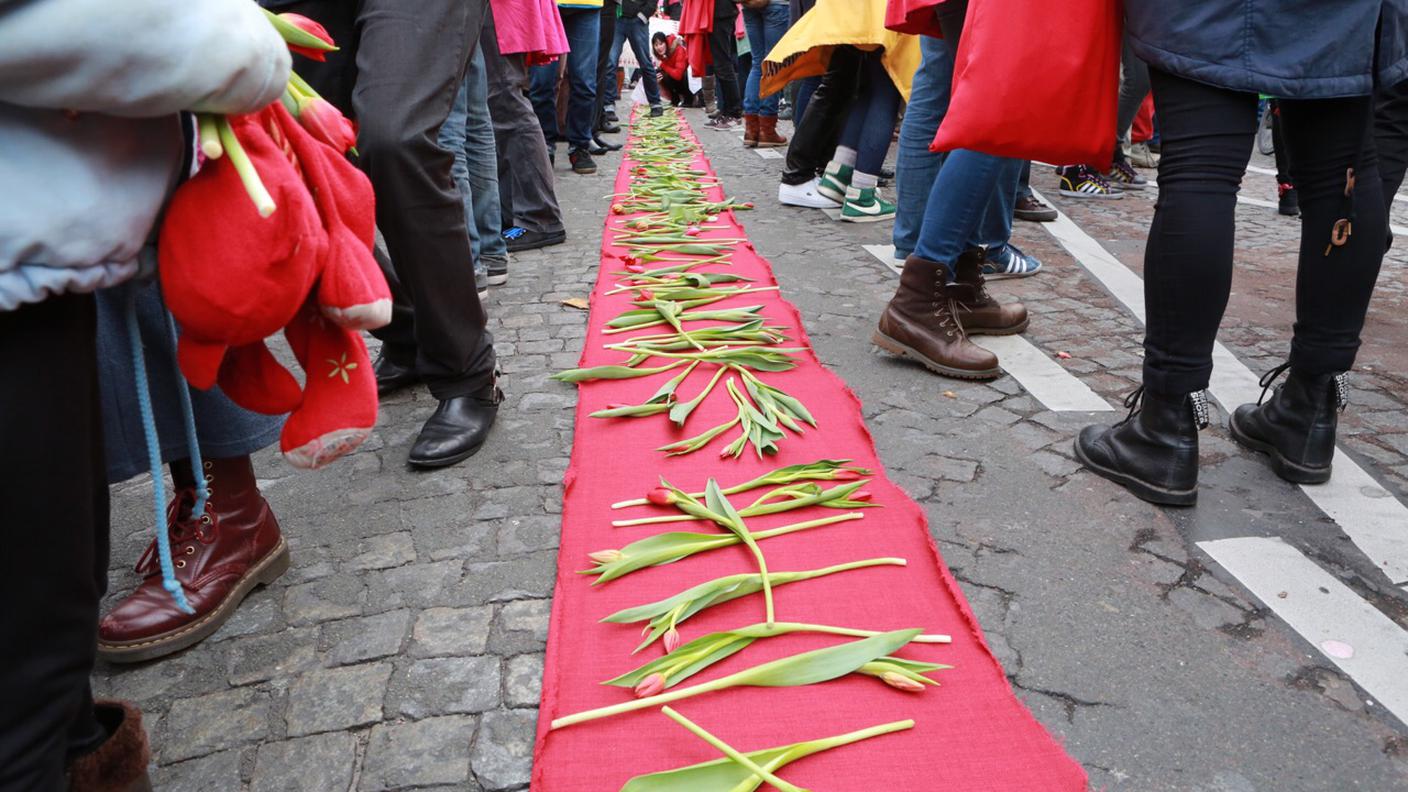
(864, 181)
(844, 156)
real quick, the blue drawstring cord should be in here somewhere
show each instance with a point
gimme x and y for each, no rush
(189, 416)
(144, 404)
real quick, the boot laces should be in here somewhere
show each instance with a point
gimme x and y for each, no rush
(1197, 400)
(949, 319)
(180, 526)
(1341, 381)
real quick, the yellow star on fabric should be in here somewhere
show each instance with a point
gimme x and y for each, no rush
(341, 367)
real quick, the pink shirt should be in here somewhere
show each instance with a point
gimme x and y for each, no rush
(529, 26)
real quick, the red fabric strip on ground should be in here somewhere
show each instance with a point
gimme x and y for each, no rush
(971, 733)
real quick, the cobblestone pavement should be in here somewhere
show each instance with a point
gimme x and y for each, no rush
(404, 648)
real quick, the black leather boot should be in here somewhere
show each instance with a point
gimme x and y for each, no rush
(1153, 453)
(1296, 426)
(457, 429)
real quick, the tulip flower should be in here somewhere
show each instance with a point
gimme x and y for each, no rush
(652, 685)
(605, 556)
(304, 36)
(902, 682)
(672, 639)
(327, 123)
(660, 496)
(618, 209)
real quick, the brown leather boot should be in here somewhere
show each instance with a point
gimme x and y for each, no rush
(220, 556)
(119, 764)
(985, 315)
(750, 130)
(767, 133)
(921, 322)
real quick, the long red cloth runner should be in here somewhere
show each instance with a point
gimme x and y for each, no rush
(971, 733)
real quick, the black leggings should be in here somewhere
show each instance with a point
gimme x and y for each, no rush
(1207, 139)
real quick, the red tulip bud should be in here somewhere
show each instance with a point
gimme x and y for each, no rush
(746, 205)
(606, 556)
(902, 682)
(672, 640)
(660, 496)
(647, 294)
(862, 496)
(692, 231)
(616, 406)
(845, 474)
(312, 28)
(652, 685)
(618, 209)
(636, 268)
(327, 123)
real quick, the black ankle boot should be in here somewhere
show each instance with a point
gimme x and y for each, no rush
(1296, 426)
(1153, 453)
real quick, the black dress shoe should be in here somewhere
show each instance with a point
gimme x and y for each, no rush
(456, 430)
(1154, 452)
(391, 377)
(608, 126)
(1296, 426)
(604, 146)
(595, 149)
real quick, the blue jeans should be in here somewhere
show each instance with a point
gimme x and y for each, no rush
(765, 28)
(805, 88)
(468, 133)
(871, 122)
(947, 203)
(581, 25)
(638, 33)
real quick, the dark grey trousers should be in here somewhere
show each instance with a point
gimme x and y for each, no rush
(525, 174)
(398, 70)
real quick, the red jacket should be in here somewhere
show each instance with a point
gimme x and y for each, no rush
(675, 63)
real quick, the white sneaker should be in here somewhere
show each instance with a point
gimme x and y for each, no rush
(804, 195)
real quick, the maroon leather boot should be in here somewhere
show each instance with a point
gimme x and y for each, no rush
(219, 557)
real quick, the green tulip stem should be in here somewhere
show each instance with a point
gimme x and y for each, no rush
(263, 202)
(727, 750)
(209, 126)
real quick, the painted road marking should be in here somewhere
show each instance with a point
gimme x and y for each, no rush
(1367, 513)
(1045, 379)
(769, 153)
(1366, 645)
(1397, 230)
(1272, 172)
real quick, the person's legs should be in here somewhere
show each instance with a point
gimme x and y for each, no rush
(724, 49)
(1207, 139)
(606, 76)
(1391, 136)
(1334, 282)
(608, 54)
(638, 32)
(582, 26)
(818, 129)
(774, 28)
(542, 91)
(1134, 86)
(525, 174)
(805, 88)
(481, 165)
(754, 24)
(916, 166)
(881, 100)
(412, 70)
(55, 496)
(452, 139)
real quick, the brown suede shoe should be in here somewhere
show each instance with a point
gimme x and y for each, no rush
(767, 133)
(119, 764)
(921, 322)
(985, 315)
(750, 130)
(220, 556)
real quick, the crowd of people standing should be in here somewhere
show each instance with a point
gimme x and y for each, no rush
(460, 105)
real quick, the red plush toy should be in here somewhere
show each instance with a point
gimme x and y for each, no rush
(232, 278)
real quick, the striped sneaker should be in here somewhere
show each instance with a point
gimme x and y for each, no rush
(1081, 181)
(866, 206)
(1123, 175)
(834, 183)
(1010, 262)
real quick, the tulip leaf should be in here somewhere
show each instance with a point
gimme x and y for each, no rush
(821, 665)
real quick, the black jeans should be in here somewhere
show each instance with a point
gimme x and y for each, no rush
(398, 70)
(723, 48)
(54, 512)
(606, 35)
(819, 127)
(1207, 139)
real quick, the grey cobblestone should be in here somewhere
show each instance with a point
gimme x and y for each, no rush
(421, 753)
(337, 698)
(358, 640)
(449, 686)
(321, 763)
(503, 749)
(189, 730)
(452, 631)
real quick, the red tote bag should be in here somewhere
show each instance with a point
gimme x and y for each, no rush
(1038, 80)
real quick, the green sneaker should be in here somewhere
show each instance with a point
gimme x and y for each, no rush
(866, 206)
(834, 183)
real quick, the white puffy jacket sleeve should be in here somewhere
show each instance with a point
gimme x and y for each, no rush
(140, 58)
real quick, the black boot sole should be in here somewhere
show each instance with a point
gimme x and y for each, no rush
(1139, 489)
(431, 464)
(894, 347)
(1288, 470)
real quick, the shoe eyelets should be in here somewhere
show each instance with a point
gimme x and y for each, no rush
(181, 564)
(205, 519)
(190, 549)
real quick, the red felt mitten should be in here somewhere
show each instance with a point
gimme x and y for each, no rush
(352, 292)
(339, 395)
(229, 276)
